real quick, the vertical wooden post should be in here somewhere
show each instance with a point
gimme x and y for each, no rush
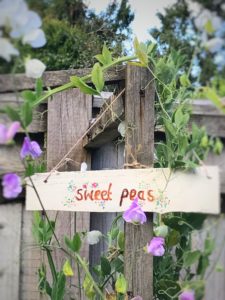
(69, 114)
(139, 145)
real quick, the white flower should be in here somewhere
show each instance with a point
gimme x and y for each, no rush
(93, 237)
(34, 68)
(83, 167)
(23, 23)
(214, 45)
(207, 16)
(122, 128)
(35, 38)
(7, 49)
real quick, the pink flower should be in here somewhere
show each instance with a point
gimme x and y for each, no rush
(134, 214)
(94, 185)
(7, 134)
(187, 295)
(11, 185)
(156, 246)
(30, 148)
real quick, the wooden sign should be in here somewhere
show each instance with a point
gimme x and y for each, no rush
(158, 190)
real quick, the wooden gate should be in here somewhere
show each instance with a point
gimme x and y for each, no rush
(57, 125)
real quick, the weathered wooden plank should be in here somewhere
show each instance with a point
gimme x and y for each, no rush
(68, 118)
(106, 129)
(39, 123)
(31, 259)
(139, 145)
(10, 237)
(218, 160)
(52, 79)
(10, 159)
(109, 156)
(215, 125)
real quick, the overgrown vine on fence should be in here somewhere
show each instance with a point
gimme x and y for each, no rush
(179, 147)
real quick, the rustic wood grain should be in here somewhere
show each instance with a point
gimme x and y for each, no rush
(106, 129)
(139, 145)
(10, 159)
(30, 260)
(69, 114)
(108, 156)
(8, 83)
(10, 237)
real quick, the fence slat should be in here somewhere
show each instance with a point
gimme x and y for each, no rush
(52, 79)
(69, 114)
(10, 235)
(139, 145)
(31, 258)
(109, 156)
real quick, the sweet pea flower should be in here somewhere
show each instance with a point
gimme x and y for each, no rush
(214, 45)
(11, 185)
(7, 134)
(7, 50)
(34, 68)
(93, 237)
(30, 148)
(156, 246)
(134, 214)
(187, 295)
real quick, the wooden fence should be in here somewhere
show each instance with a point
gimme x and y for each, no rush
(57, 125)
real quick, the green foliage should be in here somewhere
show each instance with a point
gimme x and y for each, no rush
(74, 244)
(75, 34)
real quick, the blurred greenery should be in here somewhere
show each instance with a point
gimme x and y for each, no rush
(75, 33)
(178, 32)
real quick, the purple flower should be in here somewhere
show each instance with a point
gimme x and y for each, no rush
(11, 185)
(30, 148)
(187, 295)
(7, 134)
(134, 214)
(156, 246)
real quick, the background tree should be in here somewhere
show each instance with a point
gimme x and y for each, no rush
(179, 31)
(75, 33)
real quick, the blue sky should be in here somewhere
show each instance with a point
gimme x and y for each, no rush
(145, 13)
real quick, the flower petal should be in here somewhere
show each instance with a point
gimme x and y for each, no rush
(13, 129)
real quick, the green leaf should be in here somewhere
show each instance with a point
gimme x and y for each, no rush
(212, 95)
(12, 113)
(39, 87)
(178, 117)
(26, 114)
(100, 58)
(209, 246)
(97, 77)
(28, 96)
(184, 80)
(191, 257)
(173, 238)
(114, 233)
(141, 51)
(121, 284)
(67, 269)
(58, 288)
(105, 266)
(218, 147)
(202, 265)
(169, 127)
(79, 83)
(76, 242)
(88, 288)
(121, 240)
(107, 56)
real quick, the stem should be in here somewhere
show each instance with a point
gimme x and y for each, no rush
(86, 270)
(51, 264)
(84, 78)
